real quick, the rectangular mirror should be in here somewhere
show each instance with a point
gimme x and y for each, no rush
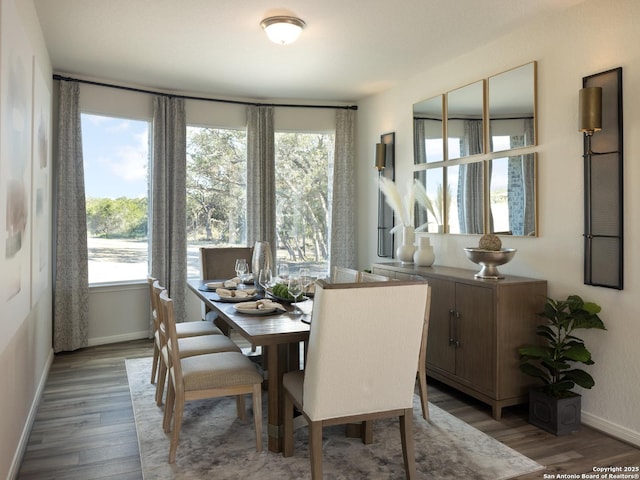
(465, 185)
(432, 218)
(512, 195)
(512, 106)
(428, 144)
(465, 126)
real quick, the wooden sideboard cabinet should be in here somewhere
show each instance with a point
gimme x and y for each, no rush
(475, 329)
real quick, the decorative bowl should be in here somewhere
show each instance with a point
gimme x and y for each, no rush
(490, 260)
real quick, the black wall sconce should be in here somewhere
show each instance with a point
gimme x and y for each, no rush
(600, 116)
(385, 164)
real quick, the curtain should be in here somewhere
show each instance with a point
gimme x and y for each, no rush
(168, 199)
(419, 140)
(470, 182)
(261, 177)
(343, 231)
(71, 276)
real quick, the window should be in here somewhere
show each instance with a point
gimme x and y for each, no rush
(216, 190)
(303, 165)
(116, 164)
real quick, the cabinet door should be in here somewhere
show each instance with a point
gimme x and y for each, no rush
(475, 336)
(440, 349)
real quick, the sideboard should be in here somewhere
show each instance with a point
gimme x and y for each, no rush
(475, 329)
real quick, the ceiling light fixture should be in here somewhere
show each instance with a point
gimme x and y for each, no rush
(282, 29)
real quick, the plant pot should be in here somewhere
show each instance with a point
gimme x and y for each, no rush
(559, 416)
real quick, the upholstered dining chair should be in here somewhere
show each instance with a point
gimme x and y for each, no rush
(346, 379)
(344, 275)
(218, 263)
(371, 277)
(183, 329)
(206, 376)
(189, 346)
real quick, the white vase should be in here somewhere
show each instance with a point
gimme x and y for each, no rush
(424, 255)
(404, 252)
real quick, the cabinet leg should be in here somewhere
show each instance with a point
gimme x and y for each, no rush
(497, 412)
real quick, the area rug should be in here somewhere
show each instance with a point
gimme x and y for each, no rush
(215, 444)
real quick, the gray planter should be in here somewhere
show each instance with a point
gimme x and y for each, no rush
(559, 416)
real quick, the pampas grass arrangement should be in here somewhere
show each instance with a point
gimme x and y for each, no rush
(402, 205)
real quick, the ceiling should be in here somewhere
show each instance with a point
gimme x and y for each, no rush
(348, 50)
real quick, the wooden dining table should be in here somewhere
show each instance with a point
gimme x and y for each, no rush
(278, 334)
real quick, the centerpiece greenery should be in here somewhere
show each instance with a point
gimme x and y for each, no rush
(552, 363)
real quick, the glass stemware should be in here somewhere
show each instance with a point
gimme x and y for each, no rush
(283, 271)
(305, 278)
(295, 290)
(265, 279)
(242, 269)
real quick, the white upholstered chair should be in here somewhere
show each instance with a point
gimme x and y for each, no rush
(344, 275)
(346, 379)
(206, 376)
(371, 277)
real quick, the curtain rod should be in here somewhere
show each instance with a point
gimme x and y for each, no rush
(187, 97)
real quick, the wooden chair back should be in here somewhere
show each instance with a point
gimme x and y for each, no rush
(217, 263)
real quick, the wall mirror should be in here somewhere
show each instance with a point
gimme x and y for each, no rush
(428, 130)
(512, 108)
(465, 186)
(465, 127)
(432, 219)
(512, 195)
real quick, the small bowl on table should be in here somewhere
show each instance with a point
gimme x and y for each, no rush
(490, 260)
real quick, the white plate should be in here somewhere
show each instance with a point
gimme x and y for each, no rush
(246, 308)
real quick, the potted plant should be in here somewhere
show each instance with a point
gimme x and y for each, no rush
(554, 406)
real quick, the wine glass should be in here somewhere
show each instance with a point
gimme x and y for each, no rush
(265, 278)
(295, 290)
(305, 278)
(242, 269)
(283, 271)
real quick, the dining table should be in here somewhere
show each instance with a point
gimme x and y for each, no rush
(278, 334)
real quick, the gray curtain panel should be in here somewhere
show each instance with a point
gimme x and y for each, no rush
(343, 229)
(168, 200)
(261, 177)
(419, 139)
(71, 275)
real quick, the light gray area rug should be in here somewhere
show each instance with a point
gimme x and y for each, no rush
(214, 443)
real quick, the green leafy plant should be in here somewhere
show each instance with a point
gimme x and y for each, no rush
(553, 363)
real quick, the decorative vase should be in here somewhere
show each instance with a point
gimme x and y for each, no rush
(424, 256)
(404, 252)
(262, 258)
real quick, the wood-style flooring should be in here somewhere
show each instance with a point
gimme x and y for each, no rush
(85, 429)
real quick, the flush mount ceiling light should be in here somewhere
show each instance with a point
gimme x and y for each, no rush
(282, 29)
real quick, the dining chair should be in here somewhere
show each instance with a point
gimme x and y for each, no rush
(219, 263)
(344, 275)
(189, 346)
(422, 362)
(206, 376)
(346, 379)
(372, 277)
(183, 329)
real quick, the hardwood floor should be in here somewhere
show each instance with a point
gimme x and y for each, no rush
(84, 428)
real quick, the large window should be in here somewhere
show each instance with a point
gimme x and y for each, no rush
(303, 165)
(116, 164)
(216, 190)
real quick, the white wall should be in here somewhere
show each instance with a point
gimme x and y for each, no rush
(592, 37)
(26, 352)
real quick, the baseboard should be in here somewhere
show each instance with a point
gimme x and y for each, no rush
(33, 410)
(617, 431)
(125, 337)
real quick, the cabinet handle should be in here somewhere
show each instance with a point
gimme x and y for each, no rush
(452, 313)
(458, 316)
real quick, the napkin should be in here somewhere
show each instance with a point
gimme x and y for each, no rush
(246, 293)
(262, 304)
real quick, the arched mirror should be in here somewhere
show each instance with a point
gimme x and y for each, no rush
(465, 127)
(466, 205)
(428, 131)
(512, 195)
(512, 100)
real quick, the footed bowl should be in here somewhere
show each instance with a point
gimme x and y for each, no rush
(490, 260)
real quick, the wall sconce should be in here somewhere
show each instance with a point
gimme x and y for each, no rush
(600, 120)
(381, 156)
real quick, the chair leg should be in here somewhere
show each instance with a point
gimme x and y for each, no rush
(168, 408)
(408, 451)
(241, 408)
(422, 385)
(367, 432)
(257, 414)
(177, 425)
(287, 430)
(154, 367)
(315, 447)
(162, 376)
